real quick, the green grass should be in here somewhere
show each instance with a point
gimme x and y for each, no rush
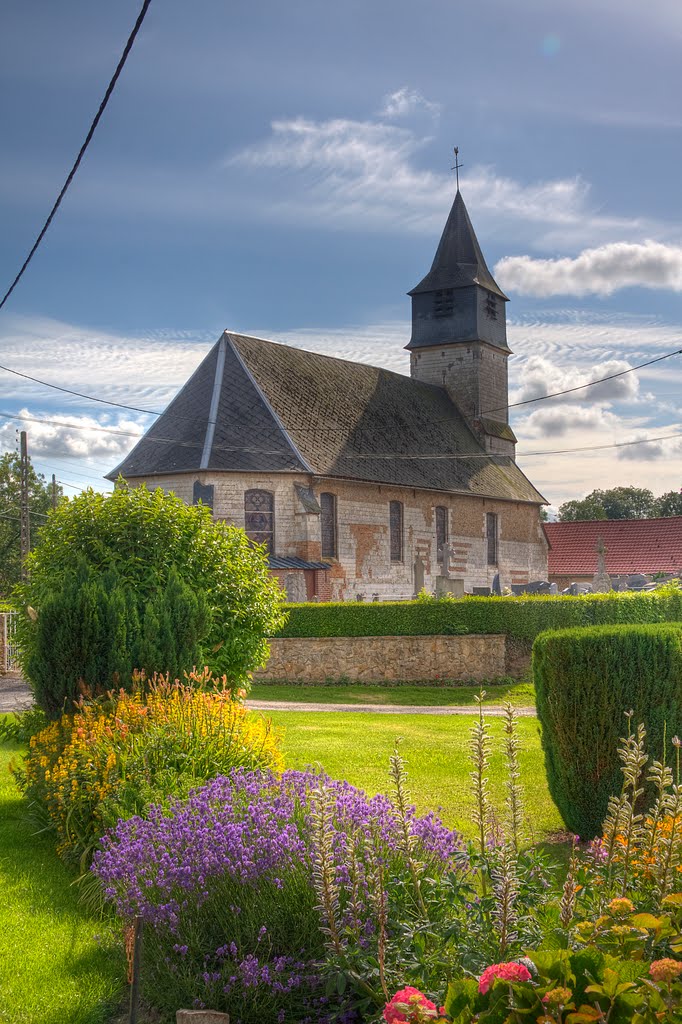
(357, 747)
(58, 963)
(520, 694)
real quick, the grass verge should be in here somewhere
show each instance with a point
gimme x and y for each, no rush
(57, 962)
(357, 747)
(520, 694)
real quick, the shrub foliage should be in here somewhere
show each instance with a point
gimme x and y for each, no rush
(519, 617)
(584, 678)
(152, 542)
(93, 632)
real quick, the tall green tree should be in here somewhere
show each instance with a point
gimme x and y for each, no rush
(39, 502)
(615, 503)
(669, 504)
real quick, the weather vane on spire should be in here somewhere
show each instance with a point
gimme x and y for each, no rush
(457, 165)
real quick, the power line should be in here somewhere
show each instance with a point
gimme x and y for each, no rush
(579, 387)
(79, 394)
(91, 131)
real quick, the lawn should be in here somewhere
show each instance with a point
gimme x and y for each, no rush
(520, 694)
(57, 962)
(357, 747)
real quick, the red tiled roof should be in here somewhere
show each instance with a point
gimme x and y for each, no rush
(632, 545)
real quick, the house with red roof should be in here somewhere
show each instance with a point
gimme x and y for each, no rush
(644, 546)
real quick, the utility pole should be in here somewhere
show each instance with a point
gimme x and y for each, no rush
(54, 491)
(25, 521)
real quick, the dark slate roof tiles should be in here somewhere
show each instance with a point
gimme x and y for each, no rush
(459, 261)
(281, 409)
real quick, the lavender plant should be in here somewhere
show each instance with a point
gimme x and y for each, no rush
(255, 902)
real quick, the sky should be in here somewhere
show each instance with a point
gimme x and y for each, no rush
(284, 170)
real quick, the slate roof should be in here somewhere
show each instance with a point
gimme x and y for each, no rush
(632, 546)
(459, 261)
(286, 562)
(255, 405)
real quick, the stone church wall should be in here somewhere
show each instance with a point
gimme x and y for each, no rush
(363, 568)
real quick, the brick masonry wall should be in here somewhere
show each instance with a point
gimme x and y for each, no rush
(363, 567)
(374, 659)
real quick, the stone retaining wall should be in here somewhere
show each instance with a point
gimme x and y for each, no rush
(375, 659)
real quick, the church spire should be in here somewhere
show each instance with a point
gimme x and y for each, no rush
(458, 262)
(459, 333)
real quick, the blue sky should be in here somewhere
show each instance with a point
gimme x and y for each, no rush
(284, 170)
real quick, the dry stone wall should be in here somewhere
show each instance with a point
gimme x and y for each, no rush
(375, 659)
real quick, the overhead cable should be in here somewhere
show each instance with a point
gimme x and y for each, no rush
(91, 131)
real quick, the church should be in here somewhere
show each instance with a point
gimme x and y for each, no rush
(362, 483)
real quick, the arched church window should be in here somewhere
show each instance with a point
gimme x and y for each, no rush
(395, 520)
(259, 518)
(441, 530)
(328, 524)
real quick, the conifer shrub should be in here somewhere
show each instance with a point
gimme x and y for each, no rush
(94, 631)
(584, 680)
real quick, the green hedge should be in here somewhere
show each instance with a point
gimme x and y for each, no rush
(519, 617)
(585, 680)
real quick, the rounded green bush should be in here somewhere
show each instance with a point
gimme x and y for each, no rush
(151, 549)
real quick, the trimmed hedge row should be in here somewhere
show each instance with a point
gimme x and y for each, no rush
(585, 681)
(519, 617)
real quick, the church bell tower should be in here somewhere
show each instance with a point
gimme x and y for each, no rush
(459, 333)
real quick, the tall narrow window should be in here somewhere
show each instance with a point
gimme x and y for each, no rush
(259, 518)
(328, 524)
(491, 537)
(441, 530)
(395, 518)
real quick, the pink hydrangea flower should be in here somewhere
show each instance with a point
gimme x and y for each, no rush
(410, 1006)
(507, 972)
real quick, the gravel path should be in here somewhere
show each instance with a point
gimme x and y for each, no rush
(16, 696)
(385, 709)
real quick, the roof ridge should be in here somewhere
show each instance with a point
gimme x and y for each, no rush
(266, 402)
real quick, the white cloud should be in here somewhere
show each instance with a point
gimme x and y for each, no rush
(366, 174)
(140, 370)
(405, 102)
(599, 271)
(73, 437)
(560, 421)
(653, 449)
(539, 376)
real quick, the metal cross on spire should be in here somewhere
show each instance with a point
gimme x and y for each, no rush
(457, 165)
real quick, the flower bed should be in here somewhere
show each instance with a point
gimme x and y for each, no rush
(110, 759)
(257, 883)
